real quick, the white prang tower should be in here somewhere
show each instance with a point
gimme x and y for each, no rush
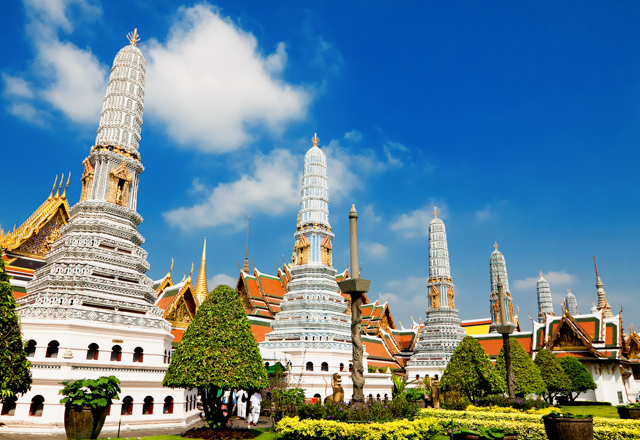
(312, 326)
(89, 311)
(442, 332)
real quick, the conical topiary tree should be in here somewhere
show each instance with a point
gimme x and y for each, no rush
(15, 374)
(217, 352)
(579, 377)
(527, 376)
(470, 371)
(552, 374)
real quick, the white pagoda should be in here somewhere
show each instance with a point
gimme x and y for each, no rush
(89, 311)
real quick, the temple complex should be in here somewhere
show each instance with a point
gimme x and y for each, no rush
(441, 333)
(88, 309)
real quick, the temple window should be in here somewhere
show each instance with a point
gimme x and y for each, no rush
(309, 366)
(116, 353)
(92, 352)
(52, 349)
(9, 406)
(31, 348)
(350, 368)
(266, 365)
(37, 406)
(341, 366)
(168, 405)
(147, 407)
(127, 406)
(120, 192)
(138, 354)
(324, 367)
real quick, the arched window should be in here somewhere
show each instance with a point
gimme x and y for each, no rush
(131, 88)
(127, 120)
(138, 354)
(187, 404)
(317, 396)
(147, 407)
(350, 368)
(168, 405)
(341, 366)
(52, 349)
(31, 348)
(116, 353)
(127, 406)
(309, 366)
(37, 406)
(324, 367)
(9, 407)
(417, 376)
(266, 365)
(92, 352)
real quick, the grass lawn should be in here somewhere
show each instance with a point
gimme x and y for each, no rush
(596, 410)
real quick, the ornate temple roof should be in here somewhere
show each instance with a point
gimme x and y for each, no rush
(438, 250)
(603, 304)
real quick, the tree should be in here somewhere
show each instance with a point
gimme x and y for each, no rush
(217, 352)
(579, 377)
(470, 371)
(15, 372)
(552, 373)
(527, 375)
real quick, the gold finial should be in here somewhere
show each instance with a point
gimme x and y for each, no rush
(495, 245)
(57, 196)
(435, 212)
(133, 37)
(64, 194)
(55, 182)
(540, 274)
(568, 290)
(315, 139)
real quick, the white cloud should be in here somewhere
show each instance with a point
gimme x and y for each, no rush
(416, 223)
(72, 80)
(555, 279)
(374, 250)
(484, 214)
(209, 85)
(369, 214)
(354, 136)
(14, 86)
(393, 161)
(408, 298)
(273, 189)
(221, 278)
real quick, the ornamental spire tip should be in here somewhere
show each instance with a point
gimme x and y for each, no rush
(435, 212)
(495, 246)
(133, 37)
(315, 139)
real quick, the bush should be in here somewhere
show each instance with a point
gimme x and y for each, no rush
(517, 403)
(552, 373)
(454, 400)
(527, 376)
(415, 393)
(372, 411)
(470, 371)
(579, 377)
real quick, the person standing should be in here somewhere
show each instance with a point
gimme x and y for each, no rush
(242, 404)
(226, 401)
(234, 400)
(256, 403)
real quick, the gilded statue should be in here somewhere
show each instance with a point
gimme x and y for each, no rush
(496, 312)
(435, 298)
(451, 297)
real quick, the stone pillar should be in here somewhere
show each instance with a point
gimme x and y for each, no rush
(506, 329)
(355, 286)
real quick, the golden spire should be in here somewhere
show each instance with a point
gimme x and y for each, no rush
(245, 269)
(435, 212)
(495, 246)
(64, 194)
(190, 273)
(540, 274)
(55, 182)
(60, 186)
(315, 139)
(133, 37)
(201, 289)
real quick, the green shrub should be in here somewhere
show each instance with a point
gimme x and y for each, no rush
(454, 400)
(527, 376)
(98, 393)
(552, 374)
(470, 372)
(579, 377)
(217, 352)
(15, 369)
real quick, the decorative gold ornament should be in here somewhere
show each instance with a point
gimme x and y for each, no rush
(435, 212)
(315, 140)
(133, 37)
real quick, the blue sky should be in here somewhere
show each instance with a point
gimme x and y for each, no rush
(520, 121)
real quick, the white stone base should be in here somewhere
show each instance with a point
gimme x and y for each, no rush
(412, 371)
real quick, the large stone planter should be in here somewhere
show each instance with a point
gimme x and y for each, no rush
(83, 422)
(628, 413)
(564, 428)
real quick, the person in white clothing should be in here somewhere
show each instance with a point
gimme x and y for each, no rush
(256, 402)
(242, 404)
(226, 402)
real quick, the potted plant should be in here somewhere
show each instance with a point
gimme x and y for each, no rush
(86, 403)
(631, 411)
(567, 426)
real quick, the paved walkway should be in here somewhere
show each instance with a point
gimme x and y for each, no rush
(264, 422)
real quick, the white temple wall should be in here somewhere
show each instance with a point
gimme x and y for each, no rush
(609, 384)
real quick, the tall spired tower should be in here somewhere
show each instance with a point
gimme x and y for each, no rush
(603, 304)
(545, 304)
(312, 326)
(498, 269)
(442, 332)
(89, 311)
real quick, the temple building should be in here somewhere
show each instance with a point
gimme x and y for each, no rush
(441, 333)
(88, 309)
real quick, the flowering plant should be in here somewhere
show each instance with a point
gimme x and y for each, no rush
(97, 393)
